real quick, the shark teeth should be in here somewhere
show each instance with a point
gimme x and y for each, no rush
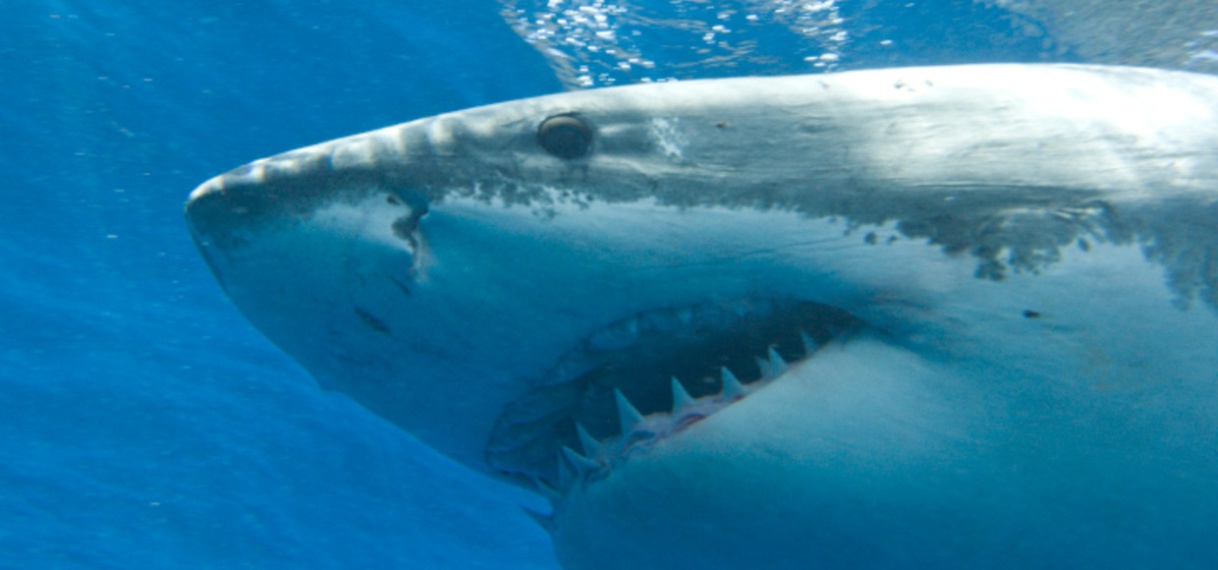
(592, 447)
(681, 400)
(582, 465)
(713, 355)
(550, 493)
(639, 432)
(810, 344)
(732, 388)
(773, 365)
(778, 366)
(628, 416)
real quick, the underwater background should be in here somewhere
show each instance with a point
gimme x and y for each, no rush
(145, 424)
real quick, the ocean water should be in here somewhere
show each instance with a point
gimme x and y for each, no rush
(143, 422)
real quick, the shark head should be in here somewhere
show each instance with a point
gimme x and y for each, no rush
(804, 311)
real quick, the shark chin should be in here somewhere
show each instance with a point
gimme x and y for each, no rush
(956, 317)
(871, 456)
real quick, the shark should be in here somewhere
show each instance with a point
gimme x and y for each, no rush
(953, 317)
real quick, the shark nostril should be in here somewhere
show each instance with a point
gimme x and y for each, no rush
(406, 226)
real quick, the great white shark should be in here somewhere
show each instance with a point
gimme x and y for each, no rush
(951, 317)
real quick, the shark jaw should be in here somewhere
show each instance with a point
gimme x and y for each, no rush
(914, 316)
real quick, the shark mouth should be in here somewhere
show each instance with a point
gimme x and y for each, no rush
(648, 377)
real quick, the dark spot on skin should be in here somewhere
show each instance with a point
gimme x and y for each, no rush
(892, 240)
(372, 321)
(565, 136)
(870, 238)
(404, 288)
(392, 200)
(991, 269)
(721, 125)
(1084, 244)
(1030, 314)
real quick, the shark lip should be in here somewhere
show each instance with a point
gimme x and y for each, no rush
(649, 376)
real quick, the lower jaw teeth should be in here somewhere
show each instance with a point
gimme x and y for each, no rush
(583, 405)
(639, 432)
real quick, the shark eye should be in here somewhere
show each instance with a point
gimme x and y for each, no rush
(565, 136)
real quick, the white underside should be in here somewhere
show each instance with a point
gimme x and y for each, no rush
(870, 456)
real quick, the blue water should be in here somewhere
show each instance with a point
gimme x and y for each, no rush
(143, 422)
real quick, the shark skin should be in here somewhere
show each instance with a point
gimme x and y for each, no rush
(953, 317)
